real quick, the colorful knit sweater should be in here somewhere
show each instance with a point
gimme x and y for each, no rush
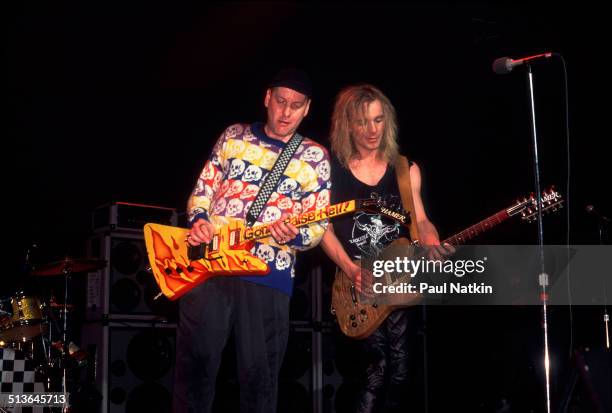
(230, 181)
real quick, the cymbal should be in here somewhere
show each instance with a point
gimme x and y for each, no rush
(69, 264)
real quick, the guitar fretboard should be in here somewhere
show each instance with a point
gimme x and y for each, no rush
(477, 229)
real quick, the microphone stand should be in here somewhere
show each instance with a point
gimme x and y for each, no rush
(606, 317)
(543, 276)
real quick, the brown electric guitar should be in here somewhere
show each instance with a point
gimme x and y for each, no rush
(359, 320)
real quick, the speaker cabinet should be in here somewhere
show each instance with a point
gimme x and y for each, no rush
(125, 288)
(134, 365)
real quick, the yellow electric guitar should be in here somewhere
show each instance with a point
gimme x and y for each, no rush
(178, 267)
(358, 320)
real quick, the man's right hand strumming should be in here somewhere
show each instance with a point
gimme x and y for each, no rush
(361, 277)
(201, 232)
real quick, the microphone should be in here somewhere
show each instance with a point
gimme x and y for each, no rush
(504, 65)
(591, 210)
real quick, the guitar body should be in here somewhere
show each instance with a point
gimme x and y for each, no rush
(176, 273)
(357, 319)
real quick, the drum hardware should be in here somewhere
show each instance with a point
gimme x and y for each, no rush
(69, 265)
(30, 325)
(37, 327)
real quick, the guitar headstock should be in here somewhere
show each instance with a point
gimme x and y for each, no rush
(528, 207)
(388, 206)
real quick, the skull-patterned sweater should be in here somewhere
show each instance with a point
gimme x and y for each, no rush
(230, 181)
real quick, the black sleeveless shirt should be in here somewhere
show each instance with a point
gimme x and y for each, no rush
(364, 233)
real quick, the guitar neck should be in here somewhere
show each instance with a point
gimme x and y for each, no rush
(477, 229)
(305, 218)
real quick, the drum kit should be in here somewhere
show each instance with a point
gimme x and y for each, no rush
(38, 326)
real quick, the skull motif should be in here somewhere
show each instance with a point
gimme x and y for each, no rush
(271, 214)
(224, 187)
(322, 199)
(236, 168)
(247, 206)
(268, 160)
(308, 202)
(234, 148)
(208, 172)
(252, 153)
(284, 203)
(217, 181)
(293, 167)
(283, 260)
(287, 186)
(300, 149)
(234, 207)
(265, 252)
(234, 188)
(234, 130)
(307, 174)
(297, 208)
(252, 173)
(323, 169)
(249, 192)
(312, 154)
(218, 206)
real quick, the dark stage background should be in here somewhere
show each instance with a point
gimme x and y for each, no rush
(123, 101)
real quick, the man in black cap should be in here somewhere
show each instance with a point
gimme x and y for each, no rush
(255, 309)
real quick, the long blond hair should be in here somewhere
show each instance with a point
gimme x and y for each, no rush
(352, 101)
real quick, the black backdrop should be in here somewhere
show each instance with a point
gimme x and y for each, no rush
(123, 100)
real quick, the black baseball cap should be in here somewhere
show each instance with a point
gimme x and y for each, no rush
(293, 78)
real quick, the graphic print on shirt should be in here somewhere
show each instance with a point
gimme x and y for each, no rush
(370, 234)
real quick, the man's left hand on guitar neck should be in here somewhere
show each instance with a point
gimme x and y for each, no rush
(428, 239)
(283, 232)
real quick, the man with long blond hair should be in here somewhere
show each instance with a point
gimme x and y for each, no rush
(364, 136)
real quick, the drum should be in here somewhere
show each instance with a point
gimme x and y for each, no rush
(22, 320)
(6, 312)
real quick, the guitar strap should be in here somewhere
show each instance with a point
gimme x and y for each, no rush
(402, 172)
(272, 179)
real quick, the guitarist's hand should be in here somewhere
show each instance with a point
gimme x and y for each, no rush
(282, 231)
(439, 252)
(201, 232)
(361, 277)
